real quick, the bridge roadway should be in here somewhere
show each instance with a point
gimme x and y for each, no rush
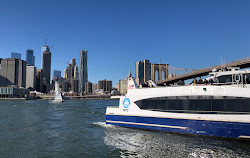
(241, 63)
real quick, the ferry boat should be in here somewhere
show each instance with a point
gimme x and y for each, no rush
(220, 110)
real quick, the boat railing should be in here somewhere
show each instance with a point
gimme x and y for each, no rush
(221, 84)
(113, 106)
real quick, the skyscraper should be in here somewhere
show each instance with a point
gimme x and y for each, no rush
(142, 71)
(46, 66)
(72, 75)
(83, 70)
(30, 58)
(67, 71)
(15, 55)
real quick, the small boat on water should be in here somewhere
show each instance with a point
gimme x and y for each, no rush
(220, 110)
(58, 96)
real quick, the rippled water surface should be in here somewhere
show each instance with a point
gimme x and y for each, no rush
(77, 129)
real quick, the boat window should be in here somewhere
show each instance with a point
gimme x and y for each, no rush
(196, 104)
(225, 79)
(247, 78)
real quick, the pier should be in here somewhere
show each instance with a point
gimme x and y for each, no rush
(84, 97)
(89, 97)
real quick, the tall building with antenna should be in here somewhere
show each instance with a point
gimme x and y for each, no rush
(46, 65)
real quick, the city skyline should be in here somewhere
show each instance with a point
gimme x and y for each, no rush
(117, 34)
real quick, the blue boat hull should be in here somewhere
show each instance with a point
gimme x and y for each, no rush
(200, 127)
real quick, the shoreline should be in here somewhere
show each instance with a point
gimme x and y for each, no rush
(12, 98)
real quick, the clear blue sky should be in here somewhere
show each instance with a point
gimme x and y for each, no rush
(117, 33)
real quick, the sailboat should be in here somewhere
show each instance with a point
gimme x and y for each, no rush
(58, 95)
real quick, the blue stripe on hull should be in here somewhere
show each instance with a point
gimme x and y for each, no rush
(210, 128)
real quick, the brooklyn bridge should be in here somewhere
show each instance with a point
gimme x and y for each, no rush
(240, 63)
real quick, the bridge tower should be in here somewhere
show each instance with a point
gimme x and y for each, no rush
(162, 69)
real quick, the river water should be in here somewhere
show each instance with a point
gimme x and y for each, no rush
(75, 128)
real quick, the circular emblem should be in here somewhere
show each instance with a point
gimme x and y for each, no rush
(126, 103)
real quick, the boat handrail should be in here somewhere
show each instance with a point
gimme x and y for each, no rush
(113, 106)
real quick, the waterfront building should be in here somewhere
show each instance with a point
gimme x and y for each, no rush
(123, 84)
(13, 92)
(13, 72)
(74, 85)
(94, 87)
(30, 58)
(46, 66)
(83, 78)
(30, 77)
(56, 74)
(65, 85)
(105, 85)
(39, 81)
(88, 88)
(142, 71)
(16, 55)
(117, 86)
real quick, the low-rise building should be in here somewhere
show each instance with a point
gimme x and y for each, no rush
(65, 85)
(105, 85)
(94, 87)
(39, 81)
(88, 88)
(13, 72)
(123, 84)
(75, 85)
(13, 92)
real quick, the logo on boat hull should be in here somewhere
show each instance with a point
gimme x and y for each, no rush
(126, 103)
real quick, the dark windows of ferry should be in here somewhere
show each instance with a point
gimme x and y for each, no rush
(237, 78)
(225, 79)
(247, 78)
(197, 104)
